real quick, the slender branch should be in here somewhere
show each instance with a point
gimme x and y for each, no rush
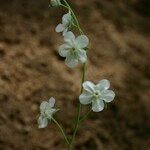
(85, 116)
(74, 16)
(78, 109)
(64, 6)
(61, 129)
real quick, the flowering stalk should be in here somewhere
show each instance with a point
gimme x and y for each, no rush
(83, 77)
(74, 50)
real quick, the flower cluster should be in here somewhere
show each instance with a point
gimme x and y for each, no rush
(74, 50)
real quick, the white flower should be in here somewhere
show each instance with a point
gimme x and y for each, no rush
(55, 3)
(66, 22)
(73, 49)
(96, 94)
(47, 110)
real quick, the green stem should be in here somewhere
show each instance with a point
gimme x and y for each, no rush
(64, 6)
(78, 110)
(63, 132)
(74, 16)
(85, 116)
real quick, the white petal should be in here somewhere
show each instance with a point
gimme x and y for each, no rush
(52, 102)
(97, 105)
(66, 19)
(82, 41)
(89, 86)
(103, 84)
(85, 98)
(107, 95)
(69, 37)
(43, 105)
(42, 122)
(59, 28)
(71, 60)
(82, 56)
(63, 50)
(65, 31)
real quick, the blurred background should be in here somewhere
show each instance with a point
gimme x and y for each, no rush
(32, 71)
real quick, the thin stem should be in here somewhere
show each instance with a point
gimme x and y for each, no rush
(64, 6)
(61, 129)
(85, 116)
(74, 16)
(78, 109)
(75, 25)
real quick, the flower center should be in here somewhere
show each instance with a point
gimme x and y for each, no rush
(46, 113)
(96, 95)
(73, 49)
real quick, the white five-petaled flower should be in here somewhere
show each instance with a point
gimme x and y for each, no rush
(47, 110)
(74, 49)
(66, 23)
(55, 3)
(96, 94)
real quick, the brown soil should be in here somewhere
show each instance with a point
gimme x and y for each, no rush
(32, 71)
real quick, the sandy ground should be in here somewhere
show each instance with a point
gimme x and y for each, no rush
(31, 71)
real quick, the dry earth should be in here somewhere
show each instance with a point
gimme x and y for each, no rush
(32, 71)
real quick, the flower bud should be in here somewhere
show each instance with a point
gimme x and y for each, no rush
(55, 3)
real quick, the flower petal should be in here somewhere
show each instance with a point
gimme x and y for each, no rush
(66, 19)
(65, 31)
(107, 95)
(43, 106)
(103, 84)
(89, 86)
(85, 98)
(82, 55)
(63, 50)
(69, 37)
(59, 28)
(42, 122)
(97, 105)
(52, 102)
(82, 41)
(71, 60)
